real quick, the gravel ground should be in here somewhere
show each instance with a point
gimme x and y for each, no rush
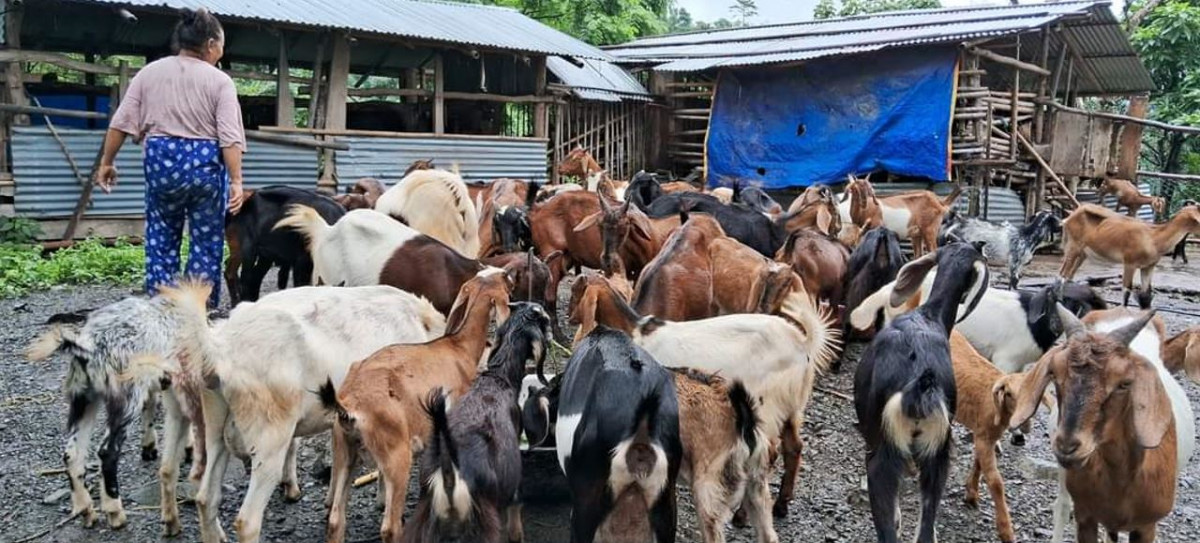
(828, 504)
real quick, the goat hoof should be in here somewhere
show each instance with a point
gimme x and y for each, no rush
(89, 517)
(117, 520)
(172, 528)
(291, 493)
(1018, 440)
(149, 453)
(780, 509)
(739, 518)
(971, 501)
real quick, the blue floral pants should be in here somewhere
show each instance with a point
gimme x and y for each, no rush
(185, 179)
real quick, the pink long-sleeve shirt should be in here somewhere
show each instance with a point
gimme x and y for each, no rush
(182, 97)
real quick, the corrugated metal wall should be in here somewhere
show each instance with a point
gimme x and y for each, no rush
(478, 159)
(46, 186)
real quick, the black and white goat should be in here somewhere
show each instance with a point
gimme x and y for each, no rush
(114, 360)
(618, 440)
(1006, 244)
(904, 389)
(539, 409)
(874, 263)
(472, 468)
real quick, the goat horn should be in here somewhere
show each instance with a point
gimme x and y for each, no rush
(603, 202)
(625, 208)
(1072, 326)
(1125, 334)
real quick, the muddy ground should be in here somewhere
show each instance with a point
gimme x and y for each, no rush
(828, 507)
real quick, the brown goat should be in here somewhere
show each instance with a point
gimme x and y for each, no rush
(1129, 196)
(580, 164)
(420, 164)
(378, 404)
(1182, 352)
(820, 214)
(820, 262)
(1094, 231)
(915, 216)
(744, 281)
(1116, 435)
(677, 284)
(529, 276)
(724, 454)
(594, 301)
(500, 194)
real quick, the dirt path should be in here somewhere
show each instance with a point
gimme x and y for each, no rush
(828, 507)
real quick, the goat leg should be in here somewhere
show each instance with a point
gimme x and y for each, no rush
(208, 495)
(791, 448)
(120, 411)
(663, 520)
(345, 456)
(884, 468)
(934, 472)
(985, 455)
(291, 484)
(81, 420)
(754, 505)
(269, 446)
(394, 469)
(516, 530)
(1087, 530)
(175, 432)
(149, 414)
(590, 505)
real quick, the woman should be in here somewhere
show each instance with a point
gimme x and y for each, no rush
(185, 112)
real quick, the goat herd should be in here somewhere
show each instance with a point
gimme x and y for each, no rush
(699, 338)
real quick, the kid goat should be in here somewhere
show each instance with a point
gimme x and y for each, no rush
(904, 389)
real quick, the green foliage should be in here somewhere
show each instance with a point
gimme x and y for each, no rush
(598, 22)
(827, 9)
(1167, 40)
(18, 230)
(23, 268)
(744, 10)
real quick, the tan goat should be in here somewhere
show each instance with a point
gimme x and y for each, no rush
(1182, 352)
(915, 216)
(378, 404)
(1093, 231)
(1129, 196)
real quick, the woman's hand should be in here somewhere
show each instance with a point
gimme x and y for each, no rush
(106, 177)
(235, 196)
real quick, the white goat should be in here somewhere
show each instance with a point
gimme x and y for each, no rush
(263, 366)
(436, 203)
(777, 358)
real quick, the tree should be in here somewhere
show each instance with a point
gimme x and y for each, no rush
(599, 22)
(826, 9)
(744, 10)
(679, 20)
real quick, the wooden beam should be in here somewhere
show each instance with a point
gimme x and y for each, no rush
(1043, 82)
(385, 134)
(257, 76)
(1009, 61)
(123, 78)
(522, 99)
(1045, 167)
(541, 117)
(54, 111)
(285, 105)
(380, 91)
(1171, 176)
(439, 95)
(270, 137)
(13, 71)
(15, 54)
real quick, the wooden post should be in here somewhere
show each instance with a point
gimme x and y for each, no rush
(1039, 109)
(1131, 138)
(314, 99)
(13, 74)
(335, 106)
(439, 95)
(122, 81)
(1016, 97)
(541, 119)
(285, 106)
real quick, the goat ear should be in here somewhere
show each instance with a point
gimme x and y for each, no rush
(824, 220)
(1039, 305)
(999, 395)
(1191, 357)
(1152, 412)
(641, 226)
(590, 220)
(1033, 386)
(909, 280)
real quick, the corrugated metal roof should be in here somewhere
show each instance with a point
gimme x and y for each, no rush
(597, 80)
(478, 159)
(1089, 24)
(470, 24)
(46, 186)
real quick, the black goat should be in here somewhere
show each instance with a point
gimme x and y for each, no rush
(539, 410)
(510, 228)
(472, 467)
(904, 391)
(757, 199)
(618, 440)
(643, 189)
(1007, 245)
(255, 246)
(873, 264)
(739, 221)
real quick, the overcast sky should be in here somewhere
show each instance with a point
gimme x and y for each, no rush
(781, 11)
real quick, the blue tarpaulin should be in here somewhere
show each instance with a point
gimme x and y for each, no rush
(818, 122)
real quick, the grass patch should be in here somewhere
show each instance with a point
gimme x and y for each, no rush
(24, 269)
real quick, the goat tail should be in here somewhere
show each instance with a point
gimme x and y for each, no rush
(823, 337)
(916, 419)
(329, 401)
(306, 221)
(745, 418)
(195, 349)
(450, 496)
(949, 200)
(57, 339)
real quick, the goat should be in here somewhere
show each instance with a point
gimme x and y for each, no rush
(874, 263)
(262, 362)
(811, 195)
(820, 262)
(915, 215)
(618, 440)
(107, 358)
(377, 404)
(754, 229)
(369, 248)
(362, 195)
(722, 194)
(529, 276)
(1182, 352)
(1007, 245)
(624, 233)
(580, 164)
(1180, 250)
(437, 204)
(471, 469)
(757, 199)
(504, 218)
(814, 210)
(539, 409)
(1093, 231)
(1128, 195)
(677, 284)
(419, 164)
(744, 281)
(1124, 427)
(255, 246)
(904, 389)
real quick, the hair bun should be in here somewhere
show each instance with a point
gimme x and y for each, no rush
(189, 16)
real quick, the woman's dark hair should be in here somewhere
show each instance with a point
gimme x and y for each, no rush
(194, 29)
